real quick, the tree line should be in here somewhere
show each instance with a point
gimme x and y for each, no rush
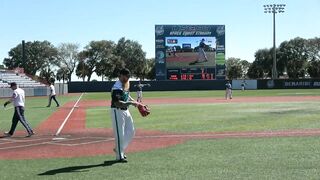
(296, 58)
(105, 58)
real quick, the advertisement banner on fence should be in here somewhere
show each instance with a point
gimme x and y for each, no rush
(289, 84)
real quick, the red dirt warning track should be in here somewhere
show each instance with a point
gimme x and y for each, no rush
(77, 141)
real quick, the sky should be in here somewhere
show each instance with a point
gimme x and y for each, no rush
(248, 28)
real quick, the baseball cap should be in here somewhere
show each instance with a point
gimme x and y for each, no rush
(125, 72)
(13, 84)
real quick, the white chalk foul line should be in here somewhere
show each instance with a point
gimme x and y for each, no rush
(68, 116)
(26, 140)
(84, 143)
(23, 146)
(225, 135)
(6, 142)
(60, 142)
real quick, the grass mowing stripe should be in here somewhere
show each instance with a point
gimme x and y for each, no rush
(261, 158)
(219, 117)
(213, 93)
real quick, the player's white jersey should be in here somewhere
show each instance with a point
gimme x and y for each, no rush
(18, 97)
(53, 90)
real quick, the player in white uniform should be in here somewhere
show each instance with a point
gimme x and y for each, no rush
(228, 90)
(122, 122)
(18, 100)
(52, 95)
(139, 91)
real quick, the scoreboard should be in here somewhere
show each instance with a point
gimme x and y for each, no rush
(191, 74)
(190, 52)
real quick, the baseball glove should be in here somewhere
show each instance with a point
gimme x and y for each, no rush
(144, 110)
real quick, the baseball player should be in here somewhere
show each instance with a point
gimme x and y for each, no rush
(174, 50)
(52, 95)
(18, 99)
(202, 56)
(243, 85)
(139, 90)
(228, 90)
(122, 121)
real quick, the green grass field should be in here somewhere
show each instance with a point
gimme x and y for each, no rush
(219, 117)
(261, 158)
(217, 94)
(35, 110)
(231, 158)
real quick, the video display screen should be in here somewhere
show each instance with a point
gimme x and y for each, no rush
(190, 52)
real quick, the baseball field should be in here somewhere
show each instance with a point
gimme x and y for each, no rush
(183, 60)
(263, 134)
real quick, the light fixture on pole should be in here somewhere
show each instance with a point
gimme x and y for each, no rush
(274, 9)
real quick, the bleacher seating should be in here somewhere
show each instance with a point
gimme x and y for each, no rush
(22, 80)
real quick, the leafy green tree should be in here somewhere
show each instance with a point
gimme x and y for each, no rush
(237, 68)
(234, 69)
(110, 65)
(82, 70)
(294, 56)
(255, 71)
(46, 74)
(110, 69)
(63, 74)
(151, 70)
(131, 53)
(95, 54)
(67, 59)
(37, 56)
(264, 59)
(245, 67)
(313, 67)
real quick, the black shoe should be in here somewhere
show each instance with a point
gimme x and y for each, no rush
(122, 160)
(30, 134)
(58, 105)
(47, 106)
(7, 134)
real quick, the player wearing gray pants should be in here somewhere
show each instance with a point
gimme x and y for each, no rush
(228, 90)
(18, 99)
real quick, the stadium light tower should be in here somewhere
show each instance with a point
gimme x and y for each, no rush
(274, 9)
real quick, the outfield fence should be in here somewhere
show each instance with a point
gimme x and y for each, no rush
(76, 87)
(35, 91)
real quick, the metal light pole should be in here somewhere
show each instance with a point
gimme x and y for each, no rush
(63, 82)
(23, 54)
(274, 9)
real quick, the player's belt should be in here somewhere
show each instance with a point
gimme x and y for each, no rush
(120, 108)
(123, 108)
